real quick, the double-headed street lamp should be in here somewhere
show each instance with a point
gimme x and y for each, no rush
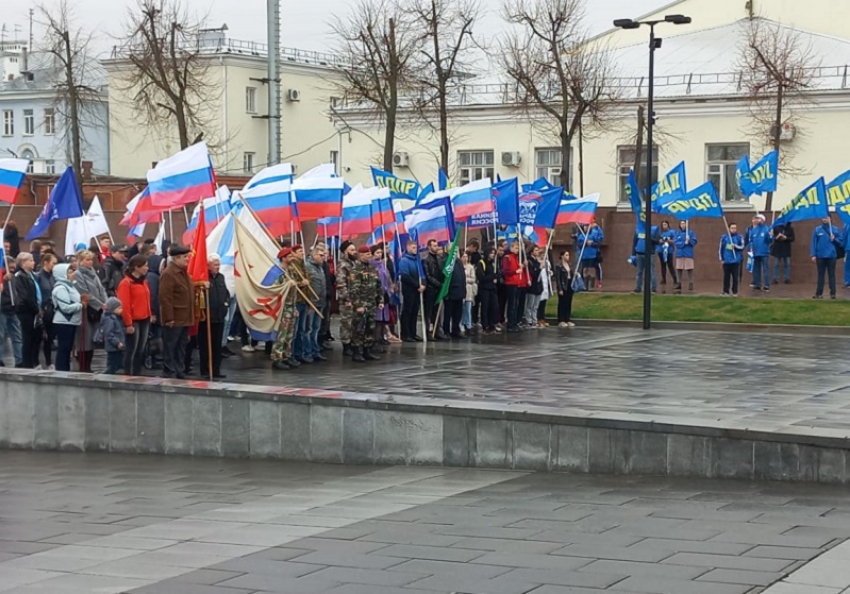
(654, 44)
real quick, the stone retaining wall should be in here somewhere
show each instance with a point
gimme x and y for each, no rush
(82, 413)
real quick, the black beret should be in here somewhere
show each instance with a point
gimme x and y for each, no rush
(178, 250)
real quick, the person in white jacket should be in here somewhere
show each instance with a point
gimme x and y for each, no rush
(68, 316)
(471, 293)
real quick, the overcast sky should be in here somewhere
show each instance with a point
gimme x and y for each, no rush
(305, 22)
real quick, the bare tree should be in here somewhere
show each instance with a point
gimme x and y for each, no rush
(777, 69)
(557, 72)
(377, 44)
(445, 43)
(78, 96)
(168, 75)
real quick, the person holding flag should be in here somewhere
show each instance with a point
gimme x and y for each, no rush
(759, 238)
(516, 278)
(825, 238)
(685, 241)
(367, 298)
(666, 254)
(643, 248)
(487, 274)
(453, 291)
(588, 242)
(347, 258)
(412, 286)
(731, 254)
(281, 355)
(176, 301)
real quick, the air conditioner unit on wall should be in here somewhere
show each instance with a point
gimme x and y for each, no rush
(400, 159)
(293, 95)
(511, 159)
(786, 133)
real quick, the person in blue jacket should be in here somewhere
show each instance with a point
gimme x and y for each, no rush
(666, 251)
(643, 250)
(845, 235)
(824, 239)
(759, 238)
(588, 242)
(731, 254)
(685, 240)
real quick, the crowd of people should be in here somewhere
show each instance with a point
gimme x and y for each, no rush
(142, 309)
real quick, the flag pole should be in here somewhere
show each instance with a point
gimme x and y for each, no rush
(206, 292)
(437, 319)
(170, 226)
(8, 215)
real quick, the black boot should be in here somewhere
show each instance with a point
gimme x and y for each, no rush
(347, 351)
(368, 356)
(358, 355)
(280, 366)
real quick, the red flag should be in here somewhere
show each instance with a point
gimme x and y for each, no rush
(198, 267)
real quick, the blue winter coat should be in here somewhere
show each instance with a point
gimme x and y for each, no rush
(824, 239)
(685, 249)
(731, 248)
(639, 241)
(671, 247)
(113, 331)
(590, 251)
(759, 239)
(408, 269)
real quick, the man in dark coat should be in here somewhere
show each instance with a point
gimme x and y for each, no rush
(453, 303)
(780, 249)
(218, 304)
(112, 271)
(434, 276)
(176, 302)
(28, 304)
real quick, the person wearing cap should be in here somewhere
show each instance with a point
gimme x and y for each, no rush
(111, 273)
(759, 238)
(112, 330)
(366, 297)
(176, 302)
(218, 303)
(298, 269)
(281, 354)
(824, 253)
(348, 256)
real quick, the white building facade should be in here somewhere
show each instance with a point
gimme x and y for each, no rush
(32, 125)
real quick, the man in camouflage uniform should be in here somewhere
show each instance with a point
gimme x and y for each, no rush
(348, 256)
(366, 296)
(282, 349)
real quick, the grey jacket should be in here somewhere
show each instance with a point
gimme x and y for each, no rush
(319, 283)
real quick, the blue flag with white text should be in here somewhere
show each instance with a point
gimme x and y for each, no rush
(809, 204)
(702, 202)
(64, 202)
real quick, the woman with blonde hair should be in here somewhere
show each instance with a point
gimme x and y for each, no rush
(93, 297)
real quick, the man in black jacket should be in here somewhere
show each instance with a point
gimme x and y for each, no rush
(9, 326)
(453, 303)
(45, 282)
(219, 302)
(780, 249)
(433, 283)
(28, 304)
(112, 271)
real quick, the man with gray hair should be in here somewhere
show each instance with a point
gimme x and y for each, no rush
(217, 306)
(319, 296)
(28, 307)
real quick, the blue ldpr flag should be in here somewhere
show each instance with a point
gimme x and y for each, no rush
(811, 203)
(398, 187)
(64, 202)
(672, 186)
(761, 177)
(443, 180)
(633, 193)
(700, 202)
(506, 197)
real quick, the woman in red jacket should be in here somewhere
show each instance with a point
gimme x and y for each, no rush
(516, 278)
(136, 300)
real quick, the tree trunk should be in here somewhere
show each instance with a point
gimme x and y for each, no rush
(580, 158)
(777, 134)
(441, 89)
(389, 140)
(182, 127)
(73, 113)
(566, 140)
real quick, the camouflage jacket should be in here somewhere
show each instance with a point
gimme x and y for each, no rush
(298, 273)
(343, 282)
(290, 299)
(364, 287)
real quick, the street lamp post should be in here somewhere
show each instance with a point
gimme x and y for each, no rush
(654, 44)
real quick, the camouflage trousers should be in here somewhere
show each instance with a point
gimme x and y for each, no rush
(282, 348)
(363, 329)
(346, 315)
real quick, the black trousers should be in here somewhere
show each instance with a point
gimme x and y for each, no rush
(565, 305)
(174, 343)
(31, 340)
(826, 266)
(452, 315)
(204, 339)
(668, 265)
(409, 311)
(47, 343)
(431, 305)
(514, 295)
(489, 309)
(134, 347)
(502, 299)
(476, 310)
(731, 276)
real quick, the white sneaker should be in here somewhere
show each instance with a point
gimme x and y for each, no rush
(571, 325)
(248, 348)
(51, 368)
(563, 325)
(260, 346)
(231, 339)
(38, 368)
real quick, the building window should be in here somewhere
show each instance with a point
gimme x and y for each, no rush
(547, 164)
(49, 121)
(29, 156)
(335, 162)
(721, 162)
(248, 162)
(475, 165)
(29, 122)
(336, 102)
(50, 166)
(251, 99)
(8, 122)
(626, 156)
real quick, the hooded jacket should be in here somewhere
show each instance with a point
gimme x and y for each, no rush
(408, 269)
(731, 250)
(66, 298)
(759, 239)
(590, 251)
(685, 242)
(824, 239)
(487, 275)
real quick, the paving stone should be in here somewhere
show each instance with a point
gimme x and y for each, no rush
(727, 562)
(629, 568)
(652, 585)
(740, 576)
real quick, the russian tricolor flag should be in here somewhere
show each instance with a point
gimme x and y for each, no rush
(275, 173)
(182, 179)
(577, 210)
(274, 207)
(12, 174)
(214, 209)
(432, 220)
(357, 209)
(472, 199)
(140, 210)
(318, 197)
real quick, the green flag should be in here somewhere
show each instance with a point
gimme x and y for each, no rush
(449, 267)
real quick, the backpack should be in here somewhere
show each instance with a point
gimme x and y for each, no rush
(578, 284)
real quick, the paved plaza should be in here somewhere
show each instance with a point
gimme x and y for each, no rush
(88, 523)
(789, 383)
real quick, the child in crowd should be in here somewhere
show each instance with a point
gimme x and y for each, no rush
(113, 336)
